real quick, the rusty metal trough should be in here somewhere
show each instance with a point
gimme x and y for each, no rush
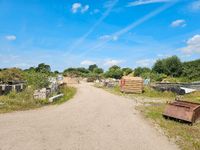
(183, 110)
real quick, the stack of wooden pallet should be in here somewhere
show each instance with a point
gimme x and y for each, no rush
(131, 84)
(70, 80)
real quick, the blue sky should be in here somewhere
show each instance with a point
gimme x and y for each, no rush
(71, 33)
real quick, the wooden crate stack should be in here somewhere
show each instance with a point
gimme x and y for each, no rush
(131, 84)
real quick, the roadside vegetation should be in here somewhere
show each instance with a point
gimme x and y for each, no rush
(35, 78)
(24, 100)
(185, 135)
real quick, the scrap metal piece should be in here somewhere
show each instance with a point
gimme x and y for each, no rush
(183, 110)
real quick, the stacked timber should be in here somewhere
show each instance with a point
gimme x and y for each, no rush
(70, 80)
(131, 84)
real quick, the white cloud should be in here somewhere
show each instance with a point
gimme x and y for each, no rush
(145, 2)
(195, 6)
(78, 7)
(108, 37)
(145, 62)
(11, 37)
(111, 62)
(178, 23)
(84, 8)
(193, 45)
(87, 62)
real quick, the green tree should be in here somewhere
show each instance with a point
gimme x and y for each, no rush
(37, 80)
(173, 66)
(72, 72)
(127, 71)
(170, 66)
(191, 70)
(114, 72)
(98, 70)
(83, 70)
(159, 67)
(139, 71)
(43, 68)
(92, 67)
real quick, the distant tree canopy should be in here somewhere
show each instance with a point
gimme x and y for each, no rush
(11, 74)
(141, 70)
(170, 66)
(93, 71)
(97, 70)
(127, 71)
(92, 67)
(43, 68)
(114, 72)
(191, 70)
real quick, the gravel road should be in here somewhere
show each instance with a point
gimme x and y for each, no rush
(93, 120)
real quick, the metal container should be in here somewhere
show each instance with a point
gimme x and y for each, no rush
(183, 110)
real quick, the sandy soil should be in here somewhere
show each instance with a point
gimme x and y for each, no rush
(93, 120)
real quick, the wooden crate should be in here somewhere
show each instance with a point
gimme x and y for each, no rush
(131, 84)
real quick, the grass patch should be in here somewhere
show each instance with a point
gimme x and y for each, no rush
(185, 135)
(68, 92)
(148, 93)
(24, 100)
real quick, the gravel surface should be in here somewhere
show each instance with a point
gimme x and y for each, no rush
(93, 120)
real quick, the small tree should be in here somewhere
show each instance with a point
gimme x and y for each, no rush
(37, 80)
(43, 68)
(139, 71)
(173, 66)
(114, 72)
(159, 67)
(127, 71)
(92, 67)
(98, 70)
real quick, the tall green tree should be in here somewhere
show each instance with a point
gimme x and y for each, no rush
(43, 68)
(127, 71)
(159, 66)
(92, 67)
(171, 66)
(139, 71)
(98, 70)
(114, 72)
(191, 70)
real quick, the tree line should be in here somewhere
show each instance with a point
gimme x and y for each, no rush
(170, 67)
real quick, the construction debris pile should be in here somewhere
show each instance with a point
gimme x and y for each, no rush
(17, 86)
(178, 88)
(45, 93)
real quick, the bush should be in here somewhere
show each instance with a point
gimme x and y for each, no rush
(191, 70)
(114, 72)
(37, 80)
(139, 71)
(171, 66)
(12, 74)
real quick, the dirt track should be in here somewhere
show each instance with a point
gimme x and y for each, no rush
(93, 120)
